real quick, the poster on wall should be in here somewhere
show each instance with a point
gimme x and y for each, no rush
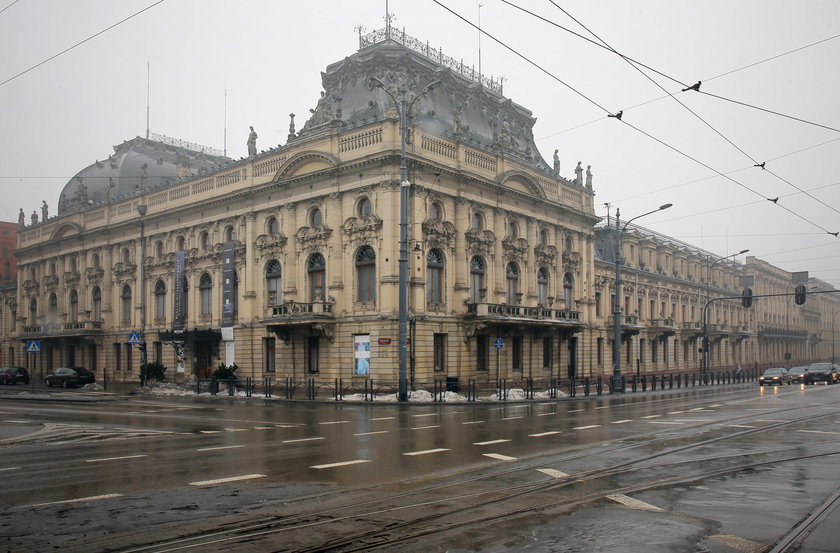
(361, 343)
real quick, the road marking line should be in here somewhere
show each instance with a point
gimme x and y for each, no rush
(341, 464)
(334, 422)
(303, 440)
(21, 422)
(741, 426)
(491, 442)
(716, 405)
(383, 419)
(770, 420)
(664, 422)
(652, 417)
(285, 425)
(425, 451)
(513, 418)
(499, 457)
(77, 500)
(575, 411)
(622, 421)
(546, 414)
(425, 427)
(236, 429)
(226, 480)
(818, 432)
(426, 415)
(675, 413)
(586, 427)
(541, 434)
(603, 407)
(553, 473)
(220, 447)
(114, 458)
(634, 503)
(372, 432)
(698, 409)
(472, 422)
(546, 403)
(10, 468)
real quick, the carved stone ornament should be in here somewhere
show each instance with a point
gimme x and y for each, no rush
(360, 230)
(270, 244)
(571, 261)
(480, 242)
(312, 240)
(546, 255)
(439, 234)
(123, 270)
(71, 280)
(50, 282)
(515, 247)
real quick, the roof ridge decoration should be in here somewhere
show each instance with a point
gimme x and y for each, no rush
(434, 54)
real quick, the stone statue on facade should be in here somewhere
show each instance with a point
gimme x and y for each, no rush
(45, 210)
(34, 218)
(21, 218)
(506, 137)
(252, 143)
(81, 193)
(578, 174)
(144, 176)
(291, 126)
(109, 192)
(556, 162)
(589, 176)
(456, 121)
(320, 113)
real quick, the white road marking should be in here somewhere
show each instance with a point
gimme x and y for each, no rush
(586, 427)
(499, 457)
(675, 412)
(9, 468)
(818, 432)
(425, 415)
(771, 420)
(513, 418)
(603, 407)
(546, 403)
(114, 458)
(634, 503)
(717, 405)
(226, 480)
(541, 434)
(576, 411)
(553, 473)
(652, 417)
(491, 442)
(20, 422)
(622, 421)
(425, 451)
(333, 422)
(236, 429)
(210, 431)
(383, 419)
(220, 447)
(341, 464)
(664, 422)
(262, 427)
(426, 427)
(285, 425)
(546, 414)
(472, 422)
(299, 440)
(77, 500)
(370, 433)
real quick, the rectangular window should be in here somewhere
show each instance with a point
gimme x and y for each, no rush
(118, 357)
(268, 354)
(654, 357)
(129, 355)
(599, 351)
(481, 344)
(642, 345)
(361, 354)
(598, 309)
(516, 353)
(312, 351)
(440, 352)
(548, 344)
(157, 352)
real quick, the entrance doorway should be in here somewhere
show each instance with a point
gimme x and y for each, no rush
(572, 367)
(203, 364)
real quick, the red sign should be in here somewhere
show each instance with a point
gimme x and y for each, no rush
(384, 341)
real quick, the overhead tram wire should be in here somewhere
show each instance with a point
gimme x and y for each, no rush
(91, 37)
(9, 6)
(696, 87)
(615, 115)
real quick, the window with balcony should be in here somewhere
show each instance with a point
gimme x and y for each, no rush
(205, 292)
(160, 300)
(366, 274)
(96, 303)
(74, 306)
(125, 296)
(542, 286)
(434, 276)
(273, 283)
(512, 280)
(477, 270)
(316, 268)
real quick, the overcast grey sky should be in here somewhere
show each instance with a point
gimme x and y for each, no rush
(268, 54)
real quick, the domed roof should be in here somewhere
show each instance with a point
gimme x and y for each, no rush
(136, 166)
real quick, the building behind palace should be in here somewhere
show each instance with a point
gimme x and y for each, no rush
(286, 263)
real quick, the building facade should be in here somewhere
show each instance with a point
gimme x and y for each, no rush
(286, 262)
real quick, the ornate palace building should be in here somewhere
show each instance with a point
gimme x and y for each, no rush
(287, 262)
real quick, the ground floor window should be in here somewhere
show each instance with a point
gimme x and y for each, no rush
(547, 356)
(312, 353)
(481, 353)
(440, 352)
(269, 350)
(118, 357)
(516, 353)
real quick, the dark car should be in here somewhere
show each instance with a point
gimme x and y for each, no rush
(821, 372)
(13, 375)
(67, 377)
(797, 374)
(774, 376)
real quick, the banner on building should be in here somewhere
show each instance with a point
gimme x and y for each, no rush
(228, 283)
(179, 316)
(361, 343)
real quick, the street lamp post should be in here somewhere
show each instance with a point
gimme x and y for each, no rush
(706, 341)
(833, 334)
(144, 376)
(404, 108)
(619, 230)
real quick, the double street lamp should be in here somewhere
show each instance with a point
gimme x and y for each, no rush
(619, 230)
(404, 108)
(706, 341)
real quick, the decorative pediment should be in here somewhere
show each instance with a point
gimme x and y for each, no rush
(270, 242)
(515, 246)
(71, 280)
(438, 234)
(305, 162)
(545, 254)
(313, 238)
(31, 287)
(480, 242)
(94, 274)
(571, 261)
(50, 282)
(357, 225)
(122, 270)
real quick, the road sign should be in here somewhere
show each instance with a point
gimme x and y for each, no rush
(33, 346)
(134, 338)
(499, 343)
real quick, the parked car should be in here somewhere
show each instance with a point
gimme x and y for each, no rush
(821, 372)
(774, 376)
(797, 374)
(66, 377)
(13, 375)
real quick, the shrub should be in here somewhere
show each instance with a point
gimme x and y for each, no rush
(153, 371)
(224, 372)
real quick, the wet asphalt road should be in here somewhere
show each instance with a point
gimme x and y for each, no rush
(708, 469)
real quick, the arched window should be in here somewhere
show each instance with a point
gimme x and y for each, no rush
(204, 241)
(96, 303)
(365, 209)
(53, 309)
(74, 306)
(33, 311)
(179, 244)
(477, 222)
(95, 261)
(230, 234)
(126, 304)
(205, 291)
(477, 270)
(315, 218)
(317, 270)
(568, 290)
(434, 276)
(543, 237)
(272, 226)
(569, 243)
(435, 211)
(33, 276)
(366, 273)
(512, 279)
(542, 286)
(74, 268)
(52, 269)
(125, 256)
(273, 283)
(160, 300)
(159, 250)
(513, 230)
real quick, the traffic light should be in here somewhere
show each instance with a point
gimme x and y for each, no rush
(746, 297)
(800, 294)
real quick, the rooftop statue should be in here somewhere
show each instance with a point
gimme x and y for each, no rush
(252, 143)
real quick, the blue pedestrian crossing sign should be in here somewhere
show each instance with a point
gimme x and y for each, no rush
(33, 346)
(134, 338)
(499, 343)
